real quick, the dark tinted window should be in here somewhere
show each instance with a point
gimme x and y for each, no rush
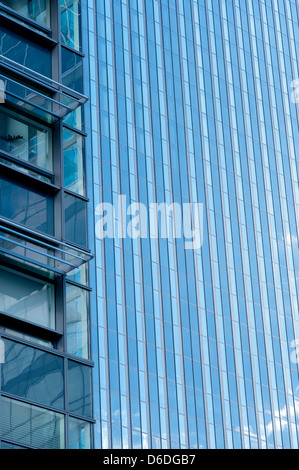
(25, 52)
(26, 206)
(75, 220)
(72, 70)
(79, 388)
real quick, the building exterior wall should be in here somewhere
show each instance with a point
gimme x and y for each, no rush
(193, 101)
(150, 342)
(45, 379)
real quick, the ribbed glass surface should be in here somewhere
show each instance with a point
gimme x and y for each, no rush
(194, 101)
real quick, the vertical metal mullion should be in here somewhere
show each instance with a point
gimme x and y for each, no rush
(59, 203)
(65, 362)
(1, 393)
(66, 403)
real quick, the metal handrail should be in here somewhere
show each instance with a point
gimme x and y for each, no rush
(56, 86)
(61, 248)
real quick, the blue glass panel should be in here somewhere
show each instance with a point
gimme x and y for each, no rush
(33, 374)
(79, 389)
(25, 206)
(25, 52)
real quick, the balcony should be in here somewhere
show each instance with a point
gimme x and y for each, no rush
(40, 104)
(44, 254)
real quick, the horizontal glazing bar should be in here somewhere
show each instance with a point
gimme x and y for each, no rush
(44, 80)
(26, 98)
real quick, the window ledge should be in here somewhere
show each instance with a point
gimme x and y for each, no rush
(27, 327)
(32, 181)
(26, 26)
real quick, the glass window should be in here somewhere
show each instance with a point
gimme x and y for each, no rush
(25, 139)
(79, 275)
(27, 337)
(79, 434)
(77, 321)
(28, 207)
(75, 220)
(31, 425)
(73, 161)
(70, 11)
(36, 10)
(75, 119)
(79, 389)
(27, 298)
(72, 70)
(25, 52)
(27, 171)
(32, 374)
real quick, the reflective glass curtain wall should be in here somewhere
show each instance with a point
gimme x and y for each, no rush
(192, 101)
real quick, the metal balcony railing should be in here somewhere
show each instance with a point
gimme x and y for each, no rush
(53, 104)
(58, 257)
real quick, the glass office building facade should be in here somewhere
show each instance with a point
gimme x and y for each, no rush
(189, 101)
(45, 360)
